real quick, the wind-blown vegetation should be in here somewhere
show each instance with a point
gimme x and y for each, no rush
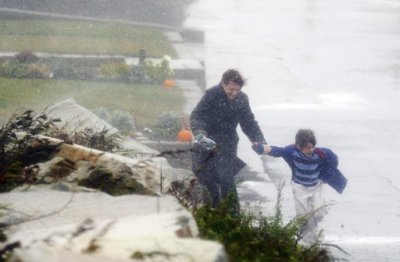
(18, 152)
(253, 237)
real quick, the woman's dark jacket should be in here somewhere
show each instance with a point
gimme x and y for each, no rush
(218, 117)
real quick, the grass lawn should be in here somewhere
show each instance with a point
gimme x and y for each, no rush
(75, 37)
(144, 102)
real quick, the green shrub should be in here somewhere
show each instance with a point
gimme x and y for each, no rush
(103, 113)
(158, 72)
(251, 236)
(24, 65)
(122, 121)
(13, 68)
(98, 140)
(138, 74)
(26, 57)
(37, 71)
(19, 147)
(115, 71)
(149, 72)
(62, 70)
(167, 126)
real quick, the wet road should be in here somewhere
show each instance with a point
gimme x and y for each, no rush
(333, 66)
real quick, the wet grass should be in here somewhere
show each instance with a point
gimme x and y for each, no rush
(144, 102)
(68, 37)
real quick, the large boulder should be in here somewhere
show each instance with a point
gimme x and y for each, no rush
(53, 225)
(141, 170)
(108, 172)
(75, 118)
(64, 214)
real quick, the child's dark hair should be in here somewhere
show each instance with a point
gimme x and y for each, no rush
(232, 75)
(305, 136)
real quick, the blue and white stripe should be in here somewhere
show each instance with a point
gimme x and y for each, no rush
(306, 168)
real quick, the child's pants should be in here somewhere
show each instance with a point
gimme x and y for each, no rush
(308, 201)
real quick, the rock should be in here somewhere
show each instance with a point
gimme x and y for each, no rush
(51, 223)
(55, 170)
(75, 118)
(65, 217)
(114, 184)
(147, 166)
(178, 154)
(150, 174)
(42, 252)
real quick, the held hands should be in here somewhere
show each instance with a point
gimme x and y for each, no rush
(261, 148)
(204, 141)
(258, 148)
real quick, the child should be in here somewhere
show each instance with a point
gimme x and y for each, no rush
(311, 166)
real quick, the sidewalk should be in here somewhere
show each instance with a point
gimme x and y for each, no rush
(189, 69)
(192, 93)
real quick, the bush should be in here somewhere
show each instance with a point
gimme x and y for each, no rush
(254, 237)
(167, 126)
(115, 71)
(26, 57)
(103, 113)
(37, 71)
(19, 148)
(158, 73)
(97, 140)
(121, 120)
(63, 70)
(24, 65)
(13, 68)
(147, 73)
(138, 74)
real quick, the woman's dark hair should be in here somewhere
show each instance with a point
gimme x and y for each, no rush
(232, 75)
(305, 136)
